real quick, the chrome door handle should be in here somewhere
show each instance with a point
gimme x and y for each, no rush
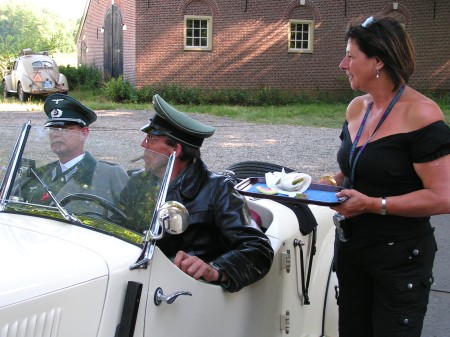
(169, 299)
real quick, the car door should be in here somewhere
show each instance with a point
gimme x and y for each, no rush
(209, 310)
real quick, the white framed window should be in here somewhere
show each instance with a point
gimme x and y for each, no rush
(301, 36)
(197, 33)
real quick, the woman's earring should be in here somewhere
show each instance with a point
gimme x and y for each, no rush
(378, 74)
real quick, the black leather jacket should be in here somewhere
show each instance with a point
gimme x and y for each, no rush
(219, 228)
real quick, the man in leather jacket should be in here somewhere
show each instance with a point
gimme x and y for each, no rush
(219, 244)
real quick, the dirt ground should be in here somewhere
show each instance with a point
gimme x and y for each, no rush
(310, 150)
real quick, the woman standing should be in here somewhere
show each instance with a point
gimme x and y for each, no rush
(395, 166)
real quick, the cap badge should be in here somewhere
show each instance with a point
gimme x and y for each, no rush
(56, 100)
(56, 113)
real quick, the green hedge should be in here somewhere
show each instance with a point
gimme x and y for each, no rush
(82, 78)
(237, 96)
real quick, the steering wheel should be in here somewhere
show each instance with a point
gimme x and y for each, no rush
(106, 204)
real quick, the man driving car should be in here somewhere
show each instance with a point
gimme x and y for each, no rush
(76, 170)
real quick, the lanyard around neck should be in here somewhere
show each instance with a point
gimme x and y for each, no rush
(352, 163)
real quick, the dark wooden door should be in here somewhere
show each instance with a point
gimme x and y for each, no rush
(82, 53)
(113, 45)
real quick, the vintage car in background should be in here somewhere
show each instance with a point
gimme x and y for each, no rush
(33, 74)
(72, 272)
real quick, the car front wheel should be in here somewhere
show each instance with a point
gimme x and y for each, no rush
(23, 96)
(5, 90)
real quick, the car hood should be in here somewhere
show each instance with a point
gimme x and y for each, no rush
(39, 256)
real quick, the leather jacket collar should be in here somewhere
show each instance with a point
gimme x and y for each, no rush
(190, 180)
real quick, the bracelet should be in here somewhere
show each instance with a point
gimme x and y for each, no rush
(383, 209)
(330, 179)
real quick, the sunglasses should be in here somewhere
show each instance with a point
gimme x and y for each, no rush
(149, 138)
(369, 21)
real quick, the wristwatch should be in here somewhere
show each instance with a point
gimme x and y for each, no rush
(219, 270)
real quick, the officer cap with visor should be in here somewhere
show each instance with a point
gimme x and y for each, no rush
(172, 123)
(64, 110)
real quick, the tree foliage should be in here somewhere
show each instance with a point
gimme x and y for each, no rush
(22, 26)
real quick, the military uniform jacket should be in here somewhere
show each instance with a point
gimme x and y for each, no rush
(87, 176)
(138, 200)
(218, 228)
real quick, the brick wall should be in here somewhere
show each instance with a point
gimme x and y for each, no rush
(250, 42)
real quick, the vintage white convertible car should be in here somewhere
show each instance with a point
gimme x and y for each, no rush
(75, 273)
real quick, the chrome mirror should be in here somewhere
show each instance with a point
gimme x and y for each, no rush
(173, 217)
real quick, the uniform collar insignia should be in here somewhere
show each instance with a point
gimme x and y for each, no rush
(71, 172)
(54, 173)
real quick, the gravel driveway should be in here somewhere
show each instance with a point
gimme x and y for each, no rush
(307, 149)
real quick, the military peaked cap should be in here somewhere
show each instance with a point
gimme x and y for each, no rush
(175, 124)
(65, 110)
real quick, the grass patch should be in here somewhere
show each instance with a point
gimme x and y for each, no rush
(312, 114)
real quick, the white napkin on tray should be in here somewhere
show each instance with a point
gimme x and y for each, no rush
(280, 181)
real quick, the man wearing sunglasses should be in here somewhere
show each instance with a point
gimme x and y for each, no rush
(219, 244)
(76, 170)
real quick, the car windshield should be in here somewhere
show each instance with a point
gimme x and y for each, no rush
(78, 171)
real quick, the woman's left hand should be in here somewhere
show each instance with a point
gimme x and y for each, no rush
(356, 203)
